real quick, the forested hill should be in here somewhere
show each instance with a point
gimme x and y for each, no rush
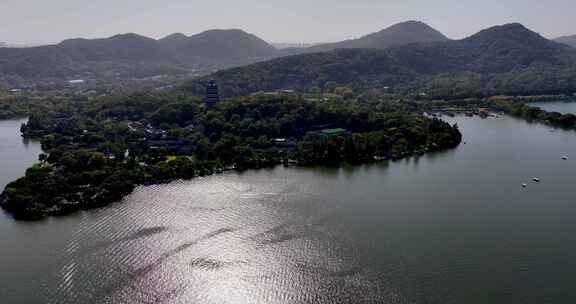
(132, 56)
(395, 35)
(502, 59)
(129, 56)
(219, 47)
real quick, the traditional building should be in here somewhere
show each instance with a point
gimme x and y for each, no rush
(212, 94)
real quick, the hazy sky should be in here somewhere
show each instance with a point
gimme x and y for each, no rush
(31, 21)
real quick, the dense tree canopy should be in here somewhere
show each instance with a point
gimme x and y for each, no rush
(505, 59)
(98, 150)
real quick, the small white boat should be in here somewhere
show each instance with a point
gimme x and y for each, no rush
(565, 157)
(537, 180)
(524, 185)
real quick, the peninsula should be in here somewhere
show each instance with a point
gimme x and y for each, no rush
(97, 150)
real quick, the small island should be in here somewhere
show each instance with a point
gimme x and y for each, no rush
(97, 150)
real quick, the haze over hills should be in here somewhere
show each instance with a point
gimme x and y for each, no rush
(285, 45)
(406, 55)
(219, 47)
(508, 58)
(395, 35)
(133, 56)
(117, 56)
(568, 40)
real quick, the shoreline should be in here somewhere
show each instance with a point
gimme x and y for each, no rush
(67, 207)
(104, 197)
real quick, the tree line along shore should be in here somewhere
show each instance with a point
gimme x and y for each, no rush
(98, 150)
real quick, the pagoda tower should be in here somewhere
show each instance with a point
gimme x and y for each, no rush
(212, 94)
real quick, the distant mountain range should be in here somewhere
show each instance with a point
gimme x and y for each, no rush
(568, 40)
(396, 35)
(502, 59)
(407, 55)
(133, 56)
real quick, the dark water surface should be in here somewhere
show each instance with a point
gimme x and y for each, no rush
(451, 227)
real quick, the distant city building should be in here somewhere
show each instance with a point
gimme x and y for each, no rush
(212, 94)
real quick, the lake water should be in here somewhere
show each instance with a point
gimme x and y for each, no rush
(451, 227)
(563, 107)
(16, 153)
